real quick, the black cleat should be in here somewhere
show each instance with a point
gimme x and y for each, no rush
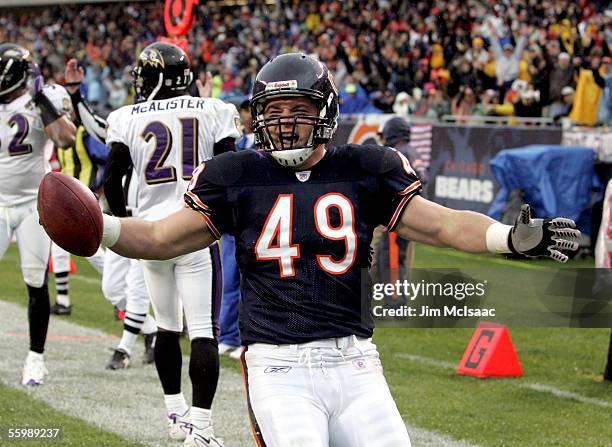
(149, 342)
(119, 360)
(60, 309)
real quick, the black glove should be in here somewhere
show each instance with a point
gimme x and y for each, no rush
(543, 237)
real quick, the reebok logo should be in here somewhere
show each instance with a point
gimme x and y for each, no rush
(291, 84)
(277, 369)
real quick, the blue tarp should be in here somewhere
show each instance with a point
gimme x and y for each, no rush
(556, 180)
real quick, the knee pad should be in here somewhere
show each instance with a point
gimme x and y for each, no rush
(34, 277)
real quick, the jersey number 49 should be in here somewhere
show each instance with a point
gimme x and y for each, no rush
(275, 240)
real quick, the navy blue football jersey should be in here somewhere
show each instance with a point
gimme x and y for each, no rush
(303, 237)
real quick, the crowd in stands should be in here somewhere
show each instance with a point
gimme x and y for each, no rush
(526, 58)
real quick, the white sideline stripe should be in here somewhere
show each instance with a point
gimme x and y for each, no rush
(565, 394)
(79, 386)
(542, 388)
(87, 279)
(425, 438)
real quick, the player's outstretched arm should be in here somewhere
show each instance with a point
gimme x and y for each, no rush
(433, 224)
(430, 223)
(180, 233)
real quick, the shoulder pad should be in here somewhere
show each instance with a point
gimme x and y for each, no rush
(372, 158)
(226, 169)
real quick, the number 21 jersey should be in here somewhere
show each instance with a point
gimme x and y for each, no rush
(303, 238)
(167, 139)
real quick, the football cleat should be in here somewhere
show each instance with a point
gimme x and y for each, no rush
(198, 437)
(149, 343)
(60, 309)
(119, 360)
(34, 370)
(178, 425)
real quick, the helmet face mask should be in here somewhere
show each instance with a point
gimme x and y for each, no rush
(14, 68)
(162, 71)
(291, 139)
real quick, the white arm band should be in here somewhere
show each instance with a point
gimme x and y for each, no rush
(111, 231)
(497, 238)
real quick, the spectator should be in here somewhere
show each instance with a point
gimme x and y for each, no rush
(604, 114)
(403, 104)
(353, 99)
(507, 60)
(563, 107)
(464, 104)
(562, 75)
(588, 93)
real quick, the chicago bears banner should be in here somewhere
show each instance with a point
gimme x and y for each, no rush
(459, 174)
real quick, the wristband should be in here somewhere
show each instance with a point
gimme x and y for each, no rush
(498, 238)
(48, 113)
(111, 230)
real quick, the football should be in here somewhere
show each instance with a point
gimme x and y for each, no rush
(70, 214)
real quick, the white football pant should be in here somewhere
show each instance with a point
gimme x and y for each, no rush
(325, 393)
(33, 243)
(123, 283)
(192, 282)
(61, 259)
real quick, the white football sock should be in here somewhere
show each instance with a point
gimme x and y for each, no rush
(200, 417)
(127, 341)
(35, 355)
(175, 403)
(62, 299)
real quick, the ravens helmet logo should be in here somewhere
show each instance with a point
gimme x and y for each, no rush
(153, 58)
(18, 53)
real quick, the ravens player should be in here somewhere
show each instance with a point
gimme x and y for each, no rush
(27, 120)
(302, 216)
(165, 136)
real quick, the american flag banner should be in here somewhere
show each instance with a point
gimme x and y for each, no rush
(420, 141)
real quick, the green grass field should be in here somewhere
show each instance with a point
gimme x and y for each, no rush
(561, 400)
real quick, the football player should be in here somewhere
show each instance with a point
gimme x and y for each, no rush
(302, 216)
(122, 278)
(27, 120)
(81, 161)
(165, 135)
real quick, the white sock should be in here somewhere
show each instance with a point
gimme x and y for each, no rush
(175, 403)
(200, 417)
(35, 355)
(62, 299)
(127, 341)
(149, 326)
